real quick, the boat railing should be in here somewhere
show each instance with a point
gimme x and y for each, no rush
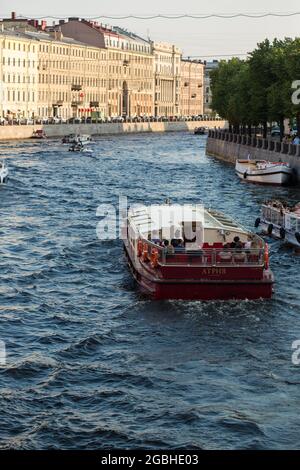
(208, 257)
(216, 257)
(273, 215)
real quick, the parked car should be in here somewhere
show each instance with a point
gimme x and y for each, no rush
(26, 122)
(74, 120)
(275, 131)
(55, 120)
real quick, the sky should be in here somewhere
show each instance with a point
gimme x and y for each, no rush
(205, 38)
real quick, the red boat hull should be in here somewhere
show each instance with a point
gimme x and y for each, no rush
(205, 284)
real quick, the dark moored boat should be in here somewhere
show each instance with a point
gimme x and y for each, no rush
(200, 131)
(38, 134)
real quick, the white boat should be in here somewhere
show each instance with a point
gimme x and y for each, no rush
(262, 171)
(77, 138)
(3, 173)
(280, 221)
(84, 138)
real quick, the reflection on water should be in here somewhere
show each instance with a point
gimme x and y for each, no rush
(91, 363)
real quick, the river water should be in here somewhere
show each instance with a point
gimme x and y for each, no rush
(92, 364)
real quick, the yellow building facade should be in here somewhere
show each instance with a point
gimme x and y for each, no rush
(18, 76)
(191, 92)
(72, 78)
(129, 65)
(166, 79)
(80, 68)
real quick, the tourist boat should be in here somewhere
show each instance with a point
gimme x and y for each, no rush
(38, 134)
(281, 221)
(262, 171)
(199, 131)
(168, 264)
(3, 173)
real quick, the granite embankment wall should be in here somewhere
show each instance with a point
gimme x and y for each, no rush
(230, 147)
(59, 130)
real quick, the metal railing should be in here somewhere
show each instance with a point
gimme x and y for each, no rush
(104, 120)
(273, 146)
(219, 257)
(207, 257)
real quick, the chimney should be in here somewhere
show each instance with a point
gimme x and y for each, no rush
(13, 15)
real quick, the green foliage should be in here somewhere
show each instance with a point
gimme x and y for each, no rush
(258, 90)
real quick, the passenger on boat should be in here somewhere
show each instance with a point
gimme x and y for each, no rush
(237, 244)
(248, 243)
(169, 249)
(225, 255)
(227, 247)
(179, 248)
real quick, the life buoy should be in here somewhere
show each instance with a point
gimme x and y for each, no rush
(154, 257)
(297, 236)
(140, 248)
(282, 233)
(145, 252)
(270, 229)
(257, 222)
(266, 256)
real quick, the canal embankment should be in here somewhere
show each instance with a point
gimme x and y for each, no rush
(9, 132)
(231, 147)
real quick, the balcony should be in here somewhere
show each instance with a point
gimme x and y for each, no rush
(75, 87)
(58, 104)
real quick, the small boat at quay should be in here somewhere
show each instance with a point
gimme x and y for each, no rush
(281, 221)
(222, 261)
(199, 131)
(39, 134)
(264, 172)
(77, 138)
(3, 173)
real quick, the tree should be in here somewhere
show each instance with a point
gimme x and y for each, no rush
(259, 89)
(223, 83)
(278, 93)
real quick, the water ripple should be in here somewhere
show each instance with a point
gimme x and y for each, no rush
(92, 363)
